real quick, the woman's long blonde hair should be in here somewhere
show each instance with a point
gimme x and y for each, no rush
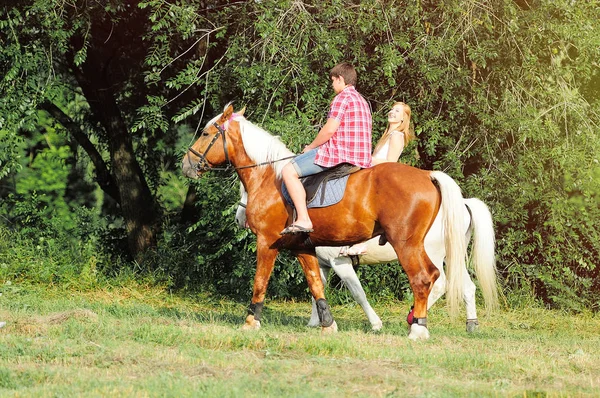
(405, 128)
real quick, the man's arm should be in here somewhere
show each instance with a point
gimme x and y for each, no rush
(324, 134)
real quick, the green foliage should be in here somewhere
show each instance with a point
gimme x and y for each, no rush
(505, 98)
(497, 94)
(542, 158)
(41, 250)
(9, 158)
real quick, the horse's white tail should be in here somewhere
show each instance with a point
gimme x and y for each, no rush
(453, 209)
(482, 252)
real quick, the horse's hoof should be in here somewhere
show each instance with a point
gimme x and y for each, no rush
(330, 329)
(377, 326)
(472, 325)
(418, 332)
(314, 324)
(251, 323)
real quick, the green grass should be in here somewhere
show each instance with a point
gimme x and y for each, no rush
(140, 341)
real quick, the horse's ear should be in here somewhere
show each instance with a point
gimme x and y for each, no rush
(241, 111)
(226, 113)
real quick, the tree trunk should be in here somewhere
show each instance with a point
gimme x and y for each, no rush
(136, 200)
(190, 213)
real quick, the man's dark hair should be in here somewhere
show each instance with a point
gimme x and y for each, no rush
(346, 71)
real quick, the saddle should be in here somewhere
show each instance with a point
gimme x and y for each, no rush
(325, 188)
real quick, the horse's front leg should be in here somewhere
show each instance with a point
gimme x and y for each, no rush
(342, 266)
(314, 316)
(310, 265)
(265, 261)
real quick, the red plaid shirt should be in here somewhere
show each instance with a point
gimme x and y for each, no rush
(351, 143)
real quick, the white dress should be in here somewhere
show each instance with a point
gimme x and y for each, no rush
(383, 151)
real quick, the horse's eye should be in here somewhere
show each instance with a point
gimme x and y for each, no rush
(204, 132)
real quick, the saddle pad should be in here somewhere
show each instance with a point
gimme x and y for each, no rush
(327, 194)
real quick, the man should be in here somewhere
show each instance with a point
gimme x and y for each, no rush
(345, 138)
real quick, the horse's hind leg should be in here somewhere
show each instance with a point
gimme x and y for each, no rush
(438, 290)
(471, 309)
(422, 274)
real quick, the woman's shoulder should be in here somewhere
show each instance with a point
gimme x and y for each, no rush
(397, 133)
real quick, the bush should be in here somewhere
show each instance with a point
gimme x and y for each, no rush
(39, 249)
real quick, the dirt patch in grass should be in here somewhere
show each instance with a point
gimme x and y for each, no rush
(39, 324)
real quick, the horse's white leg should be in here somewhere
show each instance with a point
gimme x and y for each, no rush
(314, 316)
(418, 332)
(434, 246)
(342, 266)
(469, 297)
(439, 288)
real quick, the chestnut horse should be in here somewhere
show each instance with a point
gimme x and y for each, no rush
(480, 228)
(396, 201)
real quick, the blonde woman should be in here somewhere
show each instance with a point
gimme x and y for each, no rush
(396, 136)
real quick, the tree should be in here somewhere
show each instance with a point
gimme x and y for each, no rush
(502, 99)
(52, 49)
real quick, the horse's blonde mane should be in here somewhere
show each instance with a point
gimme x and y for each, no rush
(262, 146)
(259, 144)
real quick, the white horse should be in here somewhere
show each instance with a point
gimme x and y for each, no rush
(478, 224)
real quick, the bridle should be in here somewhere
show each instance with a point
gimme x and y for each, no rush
(204, 165)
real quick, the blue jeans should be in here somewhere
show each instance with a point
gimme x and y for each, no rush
(304, 164)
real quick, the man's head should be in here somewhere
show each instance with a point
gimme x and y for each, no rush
(342, 75)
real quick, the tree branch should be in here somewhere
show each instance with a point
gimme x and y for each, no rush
(103, 176)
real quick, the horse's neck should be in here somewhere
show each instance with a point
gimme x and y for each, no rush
(261, 176)
(252, 176)
(258, 179)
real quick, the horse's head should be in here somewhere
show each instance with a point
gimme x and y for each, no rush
(210, 150)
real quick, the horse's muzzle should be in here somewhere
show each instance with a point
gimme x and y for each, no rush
(189, 169)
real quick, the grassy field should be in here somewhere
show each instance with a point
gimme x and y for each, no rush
(137, 341)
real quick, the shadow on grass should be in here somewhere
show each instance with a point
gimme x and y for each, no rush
(235, 316)
(294, 316)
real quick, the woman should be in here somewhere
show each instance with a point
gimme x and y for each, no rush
(396, 136)
(389, 148)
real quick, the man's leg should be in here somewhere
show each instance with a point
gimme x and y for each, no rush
(298, 195)
(301, 166)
